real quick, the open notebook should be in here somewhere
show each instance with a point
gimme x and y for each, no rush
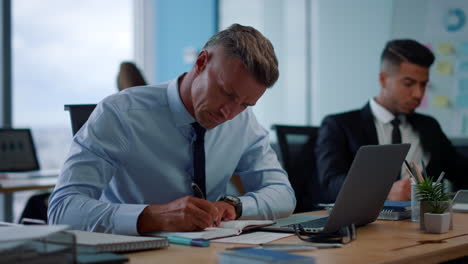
(225, 229)
(92, 242)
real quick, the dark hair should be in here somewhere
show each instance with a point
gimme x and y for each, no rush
(407, 50)
(254, 50)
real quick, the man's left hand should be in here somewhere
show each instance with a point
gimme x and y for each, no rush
(226, 211)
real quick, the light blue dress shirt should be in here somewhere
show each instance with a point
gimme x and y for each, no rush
(136, 150)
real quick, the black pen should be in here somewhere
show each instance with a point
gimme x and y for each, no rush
(197, 192)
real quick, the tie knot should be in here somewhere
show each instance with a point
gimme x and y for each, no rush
(199, 130)
(396, 122)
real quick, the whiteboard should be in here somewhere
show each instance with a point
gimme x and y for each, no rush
(443, 27)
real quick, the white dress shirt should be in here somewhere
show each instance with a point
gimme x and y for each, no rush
(384, 127)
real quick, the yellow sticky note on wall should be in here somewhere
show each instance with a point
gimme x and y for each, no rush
(441, 101)
(445, 49)
(444, 68)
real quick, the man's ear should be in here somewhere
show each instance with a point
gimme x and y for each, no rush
(383, 79)
(202, 61)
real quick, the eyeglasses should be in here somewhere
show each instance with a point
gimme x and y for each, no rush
(344, 235)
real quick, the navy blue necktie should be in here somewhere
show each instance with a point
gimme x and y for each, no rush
(396, 133)
(199, 157)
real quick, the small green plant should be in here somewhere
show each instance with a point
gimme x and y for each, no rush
(434, 194)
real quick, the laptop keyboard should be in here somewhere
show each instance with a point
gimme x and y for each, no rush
(316, 223)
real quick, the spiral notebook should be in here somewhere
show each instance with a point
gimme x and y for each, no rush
(225, 229)
(395, 210)
(92, 242)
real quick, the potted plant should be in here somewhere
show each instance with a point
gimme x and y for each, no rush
(435, 203)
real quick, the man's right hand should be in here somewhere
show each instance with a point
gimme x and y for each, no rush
(401, 190)
(182, 215)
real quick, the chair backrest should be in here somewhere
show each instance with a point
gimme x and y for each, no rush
(79, 114)
(297, 144)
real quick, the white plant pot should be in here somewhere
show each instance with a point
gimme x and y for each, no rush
(437, 223)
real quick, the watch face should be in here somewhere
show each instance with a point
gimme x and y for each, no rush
(232, 199)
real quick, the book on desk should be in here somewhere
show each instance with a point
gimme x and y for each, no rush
(92, 242)
(225, 229)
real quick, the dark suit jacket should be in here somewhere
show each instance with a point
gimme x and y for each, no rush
(341, 136)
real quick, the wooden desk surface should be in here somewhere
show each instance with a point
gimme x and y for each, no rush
(376, 243)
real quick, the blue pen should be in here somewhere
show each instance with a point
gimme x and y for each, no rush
(188, 241)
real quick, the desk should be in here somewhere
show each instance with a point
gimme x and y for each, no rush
(376, 243)
(9, 186)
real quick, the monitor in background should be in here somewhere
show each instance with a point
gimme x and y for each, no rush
(17, 151)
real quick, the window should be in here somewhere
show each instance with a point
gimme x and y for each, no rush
(65, 52)
(284, 24)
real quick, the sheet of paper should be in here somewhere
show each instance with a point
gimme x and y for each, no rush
(253, 238)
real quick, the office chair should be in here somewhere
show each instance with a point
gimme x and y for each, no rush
(79, 114)
(297, 149)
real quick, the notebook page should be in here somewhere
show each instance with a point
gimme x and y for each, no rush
(242, 224)
(253, 238)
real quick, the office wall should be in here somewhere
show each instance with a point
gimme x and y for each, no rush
(348, 37)
(181, 29)
(283, 23)
(427, 22)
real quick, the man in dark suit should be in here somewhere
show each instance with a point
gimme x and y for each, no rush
(390, 118)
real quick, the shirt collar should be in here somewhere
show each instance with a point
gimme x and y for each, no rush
(382, 114)
(181, 116)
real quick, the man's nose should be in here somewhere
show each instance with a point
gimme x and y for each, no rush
(418, 92)
(230, 110)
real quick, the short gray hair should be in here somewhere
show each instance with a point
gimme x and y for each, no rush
(254, 50)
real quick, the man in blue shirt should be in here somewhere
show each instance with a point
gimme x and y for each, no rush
(132, 166)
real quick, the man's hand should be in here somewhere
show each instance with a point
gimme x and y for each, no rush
(226, 211)
(401, 190)
(184, 214)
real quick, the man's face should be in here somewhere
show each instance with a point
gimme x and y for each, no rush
(403, 87)
(222, 88)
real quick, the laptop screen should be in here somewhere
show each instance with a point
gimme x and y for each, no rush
(17, 152)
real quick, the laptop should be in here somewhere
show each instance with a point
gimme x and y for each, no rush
(362, 195)
(18, 156)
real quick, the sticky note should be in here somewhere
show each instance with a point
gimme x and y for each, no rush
(463, 66)
(445, 49)
(444, 68)
(441, 101)
(462, 88)
(461, 101)
(463, 49)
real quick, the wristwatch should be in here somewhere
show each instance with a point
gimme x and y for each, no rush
(234, 201)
